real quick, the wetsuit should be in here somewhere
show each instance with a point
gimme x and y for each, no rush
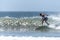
(44, 18)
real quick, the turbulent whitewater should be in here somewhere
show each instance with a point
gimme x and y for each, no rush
(24, 24)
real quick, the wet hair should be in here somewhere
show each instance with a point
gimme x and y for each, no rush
(40, 14)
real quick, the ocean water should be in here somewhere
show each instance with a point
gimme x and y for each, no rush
(26, 26)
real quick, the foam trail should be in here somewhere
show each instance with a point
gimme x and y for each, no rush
(28, 38)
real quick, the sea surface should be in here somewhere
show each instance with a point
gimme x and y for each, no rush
(27, 25)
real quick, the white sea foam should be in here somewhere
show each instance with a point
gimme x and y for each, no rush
(28, 38)
(29, 23)
(56, 24)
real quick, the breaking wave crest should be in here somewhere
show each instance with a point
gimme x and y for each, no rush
(24, 24)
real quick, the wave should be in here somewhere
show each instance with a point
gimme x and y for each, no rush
(28, 38)
(23, 24)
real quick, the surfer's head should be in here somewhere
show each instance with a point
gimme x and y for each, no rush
(40, 14)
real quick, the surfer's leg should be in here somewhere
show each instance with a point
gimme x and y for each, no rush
(42, 22)
(47, 23)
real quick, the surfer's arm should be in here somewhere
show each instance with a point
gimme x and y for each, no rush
(45, 14)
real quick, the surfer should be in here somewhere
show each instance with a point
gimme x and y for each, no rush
(44, 18)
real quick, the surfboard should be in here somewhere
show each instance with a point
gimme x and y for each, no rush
(42, 28)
